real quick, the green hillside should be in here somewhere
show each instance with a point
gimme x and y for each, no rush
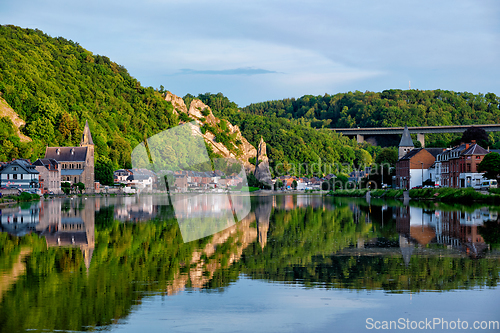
(386, 109)
(292, 148)
(55, 85)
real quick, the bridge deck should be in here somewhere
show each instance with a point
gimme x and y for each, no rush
(415, 130)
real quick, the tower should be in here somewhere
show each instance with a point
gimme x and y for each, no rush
(406, 143)
(87, 141)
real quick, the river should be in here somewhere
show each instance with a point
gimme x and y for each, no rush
(294, 263)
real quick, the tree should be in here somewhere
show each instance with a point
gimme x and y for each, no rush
(490, 165)
(80, 186)
(490, 231)
(66, 187)
(104, 171)
(278, 185)
(387, 156)
(294, 184)
(478, 134)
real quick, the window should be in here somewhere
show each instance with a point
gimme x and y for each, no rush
(14, 176)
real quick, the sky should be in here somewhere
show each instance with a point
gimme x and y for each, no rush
(254, 51)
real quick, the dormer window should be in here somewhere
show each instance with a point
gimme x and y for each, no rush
(72, 151)
(58, 151)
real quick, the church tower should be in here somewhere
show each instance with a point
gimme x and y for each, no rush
(406, 143)
(87, 141)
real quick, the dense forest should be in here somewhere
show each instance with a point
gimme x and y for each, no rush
(291, 147)
(386, 109)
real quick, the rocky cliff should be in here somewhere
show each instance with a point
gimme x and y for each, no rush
(262, 172)
(238, 148)
(7, 111)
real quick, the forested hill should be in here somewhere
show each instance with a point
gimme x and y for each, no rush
(386, 109)
(55, 85)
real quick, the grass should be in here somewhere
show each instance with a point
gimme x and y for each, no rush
(445, 194)
(247, 189)
(495, 190)
(453, 195)
(349, 193)
(386, 193)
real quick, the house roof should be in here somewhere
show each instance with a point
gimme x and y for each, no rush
(67, 154)
(406, 140)
(49, 163)
(475, 149)
(411, 154)
(71, 172)
(138, 177)
(435, 151)
(24, 164)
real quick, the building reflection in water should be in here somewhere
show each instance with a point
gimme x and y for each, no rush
(136, 208)
(66, 223)
(455, 229)
(70, 223)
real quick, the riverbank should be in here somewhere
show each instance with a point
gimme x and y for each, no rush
(447, 194)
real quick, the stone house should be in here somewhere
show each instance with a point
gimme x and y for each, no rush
(76, 163)
(50, 175)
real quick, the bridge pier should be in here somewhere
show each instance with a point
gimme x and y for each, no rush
(421, 139)
(360, 138)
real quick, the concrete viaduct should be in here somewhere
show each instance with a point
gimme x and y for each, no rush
(360, 133)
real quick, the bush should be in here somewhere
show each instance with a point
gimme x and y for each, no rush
(349, 193)
(26, 196)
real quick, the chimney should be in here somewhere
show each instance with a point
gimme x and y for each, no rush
(473, 141)
(466, 146)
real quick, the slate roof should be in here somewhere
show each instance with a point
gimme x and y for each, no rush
(475, 149)
(25, 165)
(406, 140)
(67, 154)
(71, 172)
(49, 163)
(411, 153)
(138, 177)
(435, 151)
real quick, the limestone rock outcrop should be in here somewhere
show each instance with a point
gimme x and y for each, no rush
(262, 172)
(7, 111)
(196, 111)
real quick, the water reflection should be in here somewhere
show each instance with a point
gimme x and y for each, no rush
(456, 229)
(119, 250)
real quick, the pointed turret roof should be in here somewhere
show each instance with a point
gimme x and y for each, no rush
(406, 140)
(86, 136)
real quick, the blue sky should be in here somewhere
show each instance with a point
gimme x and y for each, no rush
(254, 51)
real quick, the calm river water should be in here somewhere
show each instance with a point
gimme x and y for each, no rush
(295, 263)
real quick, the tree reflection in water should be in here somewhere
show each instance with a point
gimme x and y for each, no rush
(305, 240)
